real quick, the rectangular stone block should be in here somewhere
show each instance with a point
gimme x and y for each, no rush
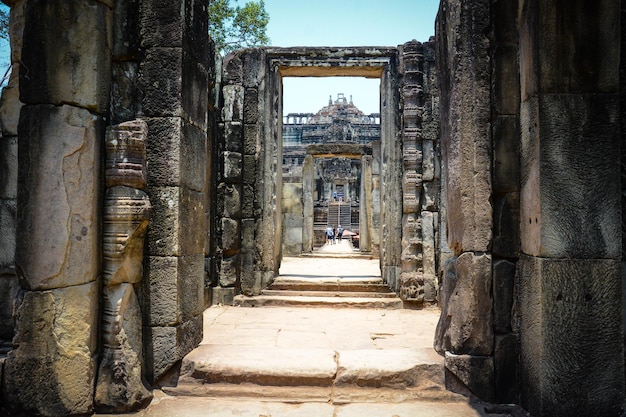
(191, 285)
(160, 80)
(233, 137)
(251, 139)
(572, 353)
(231, 196)
(7, 237)
(506, 226)
(429, 265)
(196, 32)
(230, 235)
(176, 153)
(550, 33)
(10, 104)
(506, 364)
(125, 30)
(233, 103)
(503, 293)
(570, 205)
(160, 299)
(60, 189)
(222, 296)
(229, 271)
(54, 32)
(506, 155)
(166, 345)
(505, 88)
(195, 78)
(233, 166)
(177, 222)
(469, 375)
(161, 23)
(468, 315)
(52, 369)
(8, 292)
(253, 67)
(124, 94)
(251, 106)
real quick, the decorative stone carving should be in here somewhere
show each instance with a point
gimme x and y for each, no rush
(120, 386)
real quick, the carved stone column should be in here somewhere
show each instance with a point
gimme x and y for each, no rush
(120, 386)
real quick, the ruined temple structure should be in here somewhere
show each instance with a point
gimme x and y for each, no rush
(142, 179)
(334, 169)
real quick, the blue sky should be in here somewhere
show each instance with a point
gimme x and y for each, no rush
(344, 23)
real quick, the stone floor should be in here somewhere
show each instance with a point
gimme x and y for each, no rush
(316, 361)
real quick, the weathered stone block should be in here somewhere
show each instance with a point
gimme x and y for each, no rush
(428, 256)
(125, 162)
(7, 237)
(233, 166)
(52, 370)
(161, 23)
(10, 106)
(60, 192)
(231, 195)
(503, 293)
(233, 137)
(506, 364)
(196, 32)
(470, 375)
(222, 296)
(466, 324)
(230, 234)
(178, 223)
(550, 33)
(160, 80)
(164, 346)
(505, 88)
(126, 29)
(251, 106)
(428, 160)
(233, 103)
(506, 227)
(229, 271)
(195, 78)
(8, 292)
(506, 164)
(233, 70)
(54, 32)
(176, 153)
(570, 205)
(572, 353)
(253, 67)
(191, 285)
(251, 139)
(124, 93)
(160, 297)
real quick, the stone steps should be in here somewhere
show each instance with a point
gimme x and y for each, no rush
(394, 369)
(335, 302)
(316, 293)
(373, 285)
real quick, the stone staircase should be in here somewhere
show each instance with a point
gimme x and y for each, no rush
(315, 292)
(339, 214)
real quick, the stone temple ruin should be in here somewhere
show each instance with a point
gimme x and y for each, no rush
(141, 180)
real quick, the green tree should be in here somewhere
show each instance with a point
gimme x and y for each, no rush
(235, 27)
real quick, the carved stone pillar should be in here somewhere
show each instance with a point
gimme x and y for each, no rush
(120, 386)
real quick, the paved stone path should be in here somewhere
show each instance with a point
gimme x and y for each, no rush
(312, 361)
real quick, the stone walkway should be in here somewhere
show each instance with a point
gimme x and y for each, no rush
(315, 361)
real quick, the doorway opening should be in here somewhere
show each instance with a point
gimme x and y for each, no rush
(330, 126)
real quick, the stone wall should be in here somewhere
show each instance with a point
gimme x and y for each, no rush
(130, 60)
(572, 359)
(530, 141)
(173, 80)
(52, 369)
